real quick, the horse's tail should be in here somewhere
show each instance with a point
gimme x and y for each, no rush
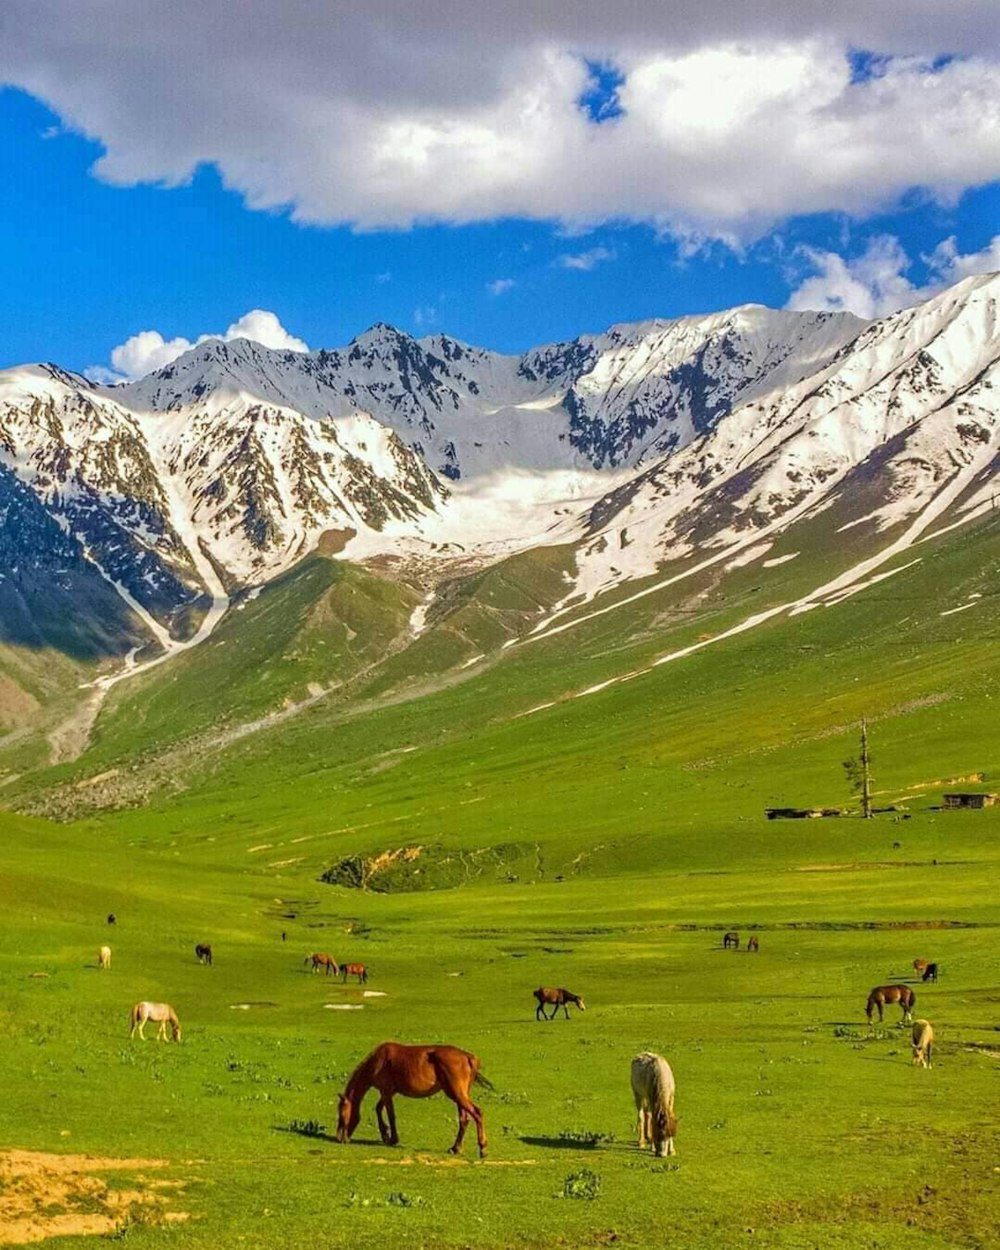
(307, 958)
(479, 1079)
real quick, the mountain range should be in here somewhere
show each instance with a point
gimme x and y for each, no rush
(131, 515)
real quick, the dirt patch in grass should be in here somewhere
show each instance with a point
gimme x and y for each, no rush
(51, 1195)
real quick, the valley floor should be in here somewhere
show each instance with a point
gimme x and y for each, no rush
(799, 1125)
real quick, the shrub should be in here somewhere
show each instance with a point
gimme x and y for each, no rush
(584, 1184)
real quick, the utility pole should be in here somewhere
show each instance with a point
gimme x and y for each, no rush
(866, 780)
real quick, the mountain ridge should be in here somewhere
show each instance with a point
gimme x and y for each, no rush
(637, 446)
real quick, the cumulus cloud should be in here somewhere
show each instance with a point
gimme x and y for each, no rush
(148, 350)
(729, 117)
(501, 286)
(875, 283)
(584, 260)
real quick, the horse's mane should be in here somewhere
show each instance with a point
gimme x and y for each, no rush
(362, 1074)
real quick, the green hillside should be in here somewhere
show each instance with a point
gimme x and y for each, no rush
(602, 843)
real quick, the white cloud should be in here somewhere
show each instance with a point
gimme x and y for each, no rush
(874, 284)
(946, 261)
(501, 286)
(585, 260)
(734, 115)
(148, 350)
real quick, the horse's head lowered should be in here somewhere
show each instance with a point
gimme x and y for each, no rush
(348, 1116)
(575, 998)
(175, 1028)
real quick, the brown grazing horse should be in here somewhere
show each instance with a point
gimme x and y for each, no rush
(354, 970)
(204, 953)
(730, 939)
(556, 998)
(752, 945)
(413, 1072)
(321, 960)
(920, 966)
(883, 994)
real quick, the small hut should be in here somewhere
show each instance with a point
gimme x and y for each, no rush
(975, 802)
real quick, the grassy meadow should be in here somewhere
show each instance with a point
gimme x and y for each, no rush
(604, 844)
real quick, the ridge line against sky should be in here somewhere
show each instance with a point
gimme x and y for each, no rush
(515, 176)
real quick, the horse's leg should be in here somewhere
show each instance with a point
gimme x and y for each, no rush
(539, 1013)
(566, 1009)
(641, 1118)
(467, 1110)
(383, 1130)
(390, 1107)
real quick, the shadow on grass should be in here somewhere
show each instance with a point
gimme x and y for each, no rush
(564, 1143)
(312, 1136)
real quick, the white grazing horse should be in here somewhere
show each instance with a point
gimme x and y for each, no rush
(653, 1089)
(104, 957)
(161, 1014)
(922, 1042)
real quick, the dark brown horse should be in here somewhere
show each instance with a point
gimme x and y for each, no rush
(883, 994)
(204, 953)
(930, 973)
(753, 944)
(557, 998)
(354, 970)
(321, 960)
(730, 939)
(413, 1072)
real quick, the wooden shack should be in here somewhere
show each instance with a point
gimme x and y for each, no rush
(974, 801)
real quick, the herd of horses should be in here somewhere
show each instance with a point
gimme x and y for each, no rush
(395, 1069)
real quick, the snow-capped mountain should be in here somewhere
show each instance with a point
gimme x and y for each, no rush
(640, 445)
(903, 422)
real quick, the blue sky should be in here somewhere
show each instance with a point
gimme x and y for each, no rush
(143, 227)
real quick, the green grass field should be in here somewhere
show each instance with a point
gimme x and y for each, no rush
(604, 844)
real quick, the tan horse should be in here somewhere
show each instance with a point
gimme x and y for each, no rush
(413, 1072)
(920, 966)
(653, 1090)
(104, 957)
(161, 1014)
(321, 960)
(922, 1041)
(883, 994)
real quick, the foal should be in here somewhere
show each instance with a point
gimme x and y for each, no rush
(104, 957)
(204, 953)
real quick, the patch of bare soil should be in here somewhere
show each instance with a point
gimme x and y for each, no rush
(333, 542)
(52, 1195)
(16, 703)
